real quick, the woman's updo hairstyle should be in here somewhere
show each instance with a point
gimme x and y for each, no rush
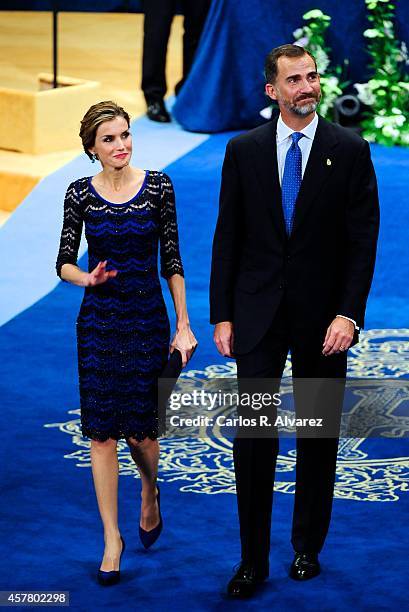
(95, 115)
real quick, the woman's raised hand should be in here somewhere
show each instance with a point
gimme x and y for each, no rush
(100, 275)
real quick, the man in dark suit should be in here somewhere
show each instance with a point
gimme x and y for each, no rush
(293, 259)
(158, 20)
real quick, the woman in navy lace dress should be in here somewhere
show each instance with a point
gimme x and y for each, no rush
(122, 328)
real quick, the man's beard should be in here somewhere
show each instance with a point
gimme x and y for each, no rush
(304, 109)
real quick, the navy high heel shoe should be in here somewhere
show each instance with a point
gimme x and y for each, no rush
(149, 537)
(113, 577)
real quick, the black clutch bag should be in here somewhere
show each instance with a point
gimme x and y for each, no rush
(173, 368)
(166, 383)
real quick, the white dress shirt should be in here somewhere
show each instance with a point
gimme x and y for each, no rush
(284, 142)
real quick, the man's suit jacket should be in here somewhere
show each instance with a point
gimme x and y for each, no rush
(325, 267)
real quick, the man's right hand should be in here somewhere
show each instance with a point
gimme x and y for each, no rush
(223, 337)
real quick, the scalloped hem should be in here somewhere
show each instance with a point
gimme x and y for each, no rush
(103, 437)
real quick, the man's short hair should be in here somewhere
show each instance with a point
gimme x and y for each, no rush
(270, 66)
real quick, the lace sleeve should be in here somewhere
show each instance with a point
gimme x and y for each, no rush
(71, 230)
(170, 261)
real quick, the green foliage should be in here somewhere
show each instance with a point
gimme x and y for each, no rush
(386, 93)
(312, 36)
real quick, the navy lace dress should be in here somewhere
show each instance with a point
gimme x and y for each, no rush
(123, 329)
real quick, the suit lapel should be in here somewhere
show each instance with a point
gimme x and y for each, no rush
(267, 173)
(318, 170)
(316, 174)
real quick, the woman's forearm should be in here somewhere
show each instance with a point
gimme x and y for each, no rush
(176, 285)
(73, 274)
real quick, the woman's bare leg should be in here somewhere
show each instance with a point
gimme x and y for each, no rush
(146, 456)
(105, 469)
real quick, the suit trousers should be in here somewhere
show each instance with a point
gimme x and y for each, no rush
(158, 20)
(255, 459)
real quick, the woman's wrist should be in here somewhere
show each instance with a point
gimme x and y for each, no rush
(72, 274)
(84, 279)
(182, 324)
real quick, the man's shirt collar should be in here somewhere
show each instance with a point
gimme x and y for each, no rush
(283, 131)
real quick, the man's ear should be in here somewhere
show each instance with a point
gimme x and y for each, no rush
(270, 91)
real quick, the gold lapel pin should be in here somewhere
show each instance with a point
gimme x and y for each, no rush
(329, 162)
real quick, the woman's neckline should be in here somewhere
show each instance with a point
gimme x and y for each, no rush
(95, 192)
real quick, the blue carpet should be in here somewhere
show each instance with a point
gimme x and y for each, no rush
(51, 529)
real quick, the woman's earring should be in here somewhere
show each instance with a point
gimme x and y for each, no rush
(94, 158)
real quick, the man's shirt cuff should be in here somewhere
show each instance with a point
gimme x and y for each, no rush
(349, 319)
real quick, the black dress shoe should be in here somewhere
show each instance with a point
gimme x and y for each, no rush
(156, 111)
(305, 566)
(245, 581)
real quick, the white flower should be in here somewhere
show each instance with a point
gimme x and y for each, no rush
(365, 94)
(333, 81)
(399, 120)
(376, 83)
(389, 130)
(322, 60)
(298, 33)
(316, 14)
(404, 53)
(405, 138)
(313, 14)
(302, 42)
(389, 122)
(323, 108)
(371, 33)
(330, 88)
(388, 28)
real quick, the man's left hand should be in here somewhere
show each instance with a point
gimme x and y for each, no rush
(339, 336)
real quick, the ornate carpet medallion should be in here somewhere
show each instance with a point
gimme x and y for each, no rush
(367, 469)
